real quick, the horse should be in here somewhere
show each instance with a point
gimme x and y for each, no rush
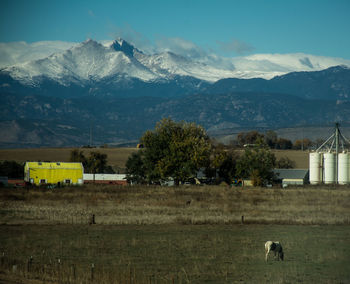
(276, 247)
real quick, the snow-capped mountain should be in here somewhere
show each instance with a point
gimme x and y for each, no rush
(91, 61)
(116, 84)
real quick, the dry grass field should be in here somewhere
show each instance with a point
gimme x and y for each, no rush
(195, 205)
(174, 235)
(301, 158)
(188, 234)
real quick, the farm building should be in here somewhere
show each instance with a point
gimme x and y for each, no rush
(59, 173)
(105, 178)
(291, 176)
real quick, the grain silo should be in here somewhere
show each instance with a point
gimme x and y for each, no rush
(315, 168)
(329, 166)
(344, 168)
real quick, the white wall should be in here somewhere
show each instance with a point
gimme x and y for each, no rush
(104, 177)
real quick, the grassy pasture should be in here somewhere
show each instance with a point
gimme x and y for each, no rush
(155, 235)
(176, 253)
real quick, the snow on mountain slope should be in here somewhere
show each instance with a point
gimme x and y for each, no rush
(93, 61)
(89, 60)
(168, 63)
(271, 65)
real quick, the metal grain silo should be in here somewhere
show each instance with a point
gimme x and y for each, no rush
(315, 163)
(329, 162)
(343, 168)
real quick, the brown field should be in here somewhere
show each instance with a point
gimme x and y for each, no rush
(174, 235)
(301, 158)
(147, 205)
(116, 156)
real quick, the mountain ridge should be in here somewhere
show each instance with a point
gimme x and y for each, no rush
(104, 85)
(92, 60)
(32, 120)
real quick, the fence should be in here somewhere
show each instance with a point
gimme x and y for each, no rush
(47, 216)
(58, 271)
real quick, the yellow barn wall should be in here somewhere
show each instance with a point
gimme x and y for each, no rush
(53, 175)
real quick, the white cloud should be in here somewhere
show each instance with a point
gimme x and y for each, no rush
(18, 52)
(235, 45)
(179, 46)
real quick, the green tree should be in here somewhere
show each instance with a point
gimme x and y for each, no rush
(78, 156)
(285, 163)
(135, 171)
(271, 139)
(251, 137)
(216, 158)
(257, 164)
(11, 169)
(96, 163)
(222, 163)
(302, 144)
(284, 144)
(173, 150)
(227, 168)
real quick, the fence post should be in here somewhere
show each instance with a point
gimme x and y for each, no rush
(3, 259)
(92, 221)
(43, 271)
(74, 274)
(92, 271)
(29, 264)
(242, 219)
(59, 270)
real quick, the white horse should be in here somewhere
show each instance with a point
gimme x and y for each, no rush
(276, 247)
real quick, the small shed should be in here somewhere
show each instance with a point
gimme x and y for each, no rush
(291, 176)
(60, 173)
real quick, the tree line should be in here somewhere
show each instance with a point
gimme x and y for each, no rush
(271, 139)
(96, 162)
(179, 150)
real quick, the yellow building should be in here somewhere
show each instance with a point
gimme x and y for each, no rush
(59, 173)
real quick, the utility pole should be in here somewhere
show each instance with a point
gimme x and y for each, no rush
(336, 150)
(302, 139)
(91, 140)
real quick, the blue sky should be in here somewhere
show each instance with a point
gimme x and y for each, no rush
(229, 28)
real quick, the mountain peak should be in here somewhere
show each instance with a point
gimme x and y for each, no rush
(88, 44)
(121, 45)
(89, 41)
